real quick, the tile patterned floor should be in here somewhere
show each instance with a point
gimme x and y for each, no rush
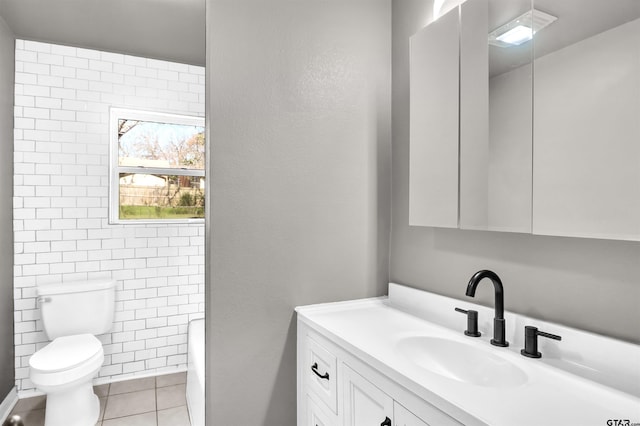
(151, 401)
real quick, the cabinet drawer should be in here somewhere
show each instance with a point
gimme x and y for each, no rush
(316, 416)
(320, 371)
(404, 417)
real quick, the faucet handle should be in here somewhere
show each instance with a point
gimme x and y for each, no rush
(472, 322)
(531, 341)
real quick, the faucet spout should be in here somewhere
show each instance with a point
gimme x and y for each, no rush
(498, 320)
(497, 285)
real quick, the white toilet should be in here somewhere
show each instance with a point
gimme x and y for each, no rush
(72, 314)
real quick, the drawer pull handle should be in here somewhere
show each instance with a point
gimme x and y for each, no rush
(387, 422)
(314, 368)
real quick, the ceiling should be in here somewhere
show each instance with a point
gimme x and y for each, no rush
(172, 30)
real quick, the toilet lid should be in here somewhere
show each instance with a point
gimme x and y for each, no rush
(65, 353)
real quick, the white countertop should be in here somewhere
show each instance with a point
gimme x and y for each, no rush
(371, 328)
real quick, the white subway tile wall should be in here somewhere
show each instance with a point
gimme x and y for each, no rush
(61, 229)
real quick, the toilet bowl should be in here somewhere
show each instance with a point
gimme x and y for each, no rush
(72, 314)
(64, 370)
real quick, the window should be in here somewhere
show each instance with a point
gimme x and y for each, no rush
(157, 167)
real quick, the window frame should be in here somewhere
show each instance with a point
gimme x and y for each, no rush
(115, 169)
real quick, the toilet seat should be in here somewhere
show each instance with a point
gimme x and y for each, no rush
(65, 353)
(66, 359)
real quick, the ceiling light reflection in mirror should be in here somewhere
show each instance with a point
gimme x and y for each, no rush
(440, 7)
(520, 29)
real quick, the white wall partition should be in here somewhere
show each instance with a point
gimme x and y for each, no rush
(62, 100)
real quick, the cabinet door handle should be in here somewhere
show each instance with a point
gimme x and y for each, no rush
(387, 422)
(314, 368)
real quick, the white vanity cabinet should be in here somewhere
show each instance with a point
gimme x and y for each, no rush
(336, 388)
(403, 360)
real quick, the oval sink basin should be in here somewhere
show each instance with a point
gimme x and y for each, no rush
(461, 362)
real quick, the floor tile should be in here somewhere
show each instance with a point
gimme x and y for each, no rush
(132, 385)
(28, 404)
(173, 416)
(171, 396)
(101, 390)
(146, 419)
(127, 404)
(103, 404)
(171, 379)
(32, 418)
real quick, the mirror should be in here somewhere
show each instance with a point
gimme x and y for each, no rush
(470, 124)
(561, 159)
(495, 119)
(586, 180)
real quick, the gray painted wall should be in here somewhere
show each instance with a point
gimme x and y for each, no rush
(589, 284)
(299, 145)
(7, 66)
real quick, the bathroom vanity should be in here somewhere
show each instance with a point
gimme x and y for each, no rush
(405, 360)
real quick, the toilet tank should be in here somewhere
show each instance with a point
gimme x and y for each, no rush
(77, 307)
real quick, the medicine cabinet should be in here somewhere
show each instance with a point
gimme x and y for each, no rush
(537, 134)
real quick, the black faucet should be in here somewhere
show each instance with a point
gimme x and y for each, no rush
(498, 320)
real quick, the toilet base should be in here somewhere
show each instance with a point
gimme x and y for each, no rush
(76, 406)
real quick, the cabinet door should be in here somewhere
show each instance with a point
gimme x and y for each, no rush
(404, 417)
(433, 127)
(587, 133)
(364, 403)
